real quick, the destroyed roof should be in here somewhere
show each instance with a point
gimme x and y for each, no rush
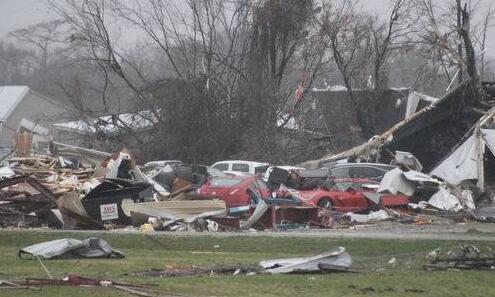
(111, 123)
(376, 111)
(429, 134)
(10, 97)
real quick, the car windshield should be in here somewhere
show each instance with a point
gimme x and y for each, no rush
(213, 172)
(224, 182)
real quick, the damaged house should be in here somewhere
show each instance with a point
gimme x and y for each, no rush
(24, 110)
(449, 137)
(350, 118)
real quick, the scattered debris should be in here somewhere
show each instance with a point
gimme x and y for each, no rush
(196, 270)
(67, 247)
(337, 260)
(467, 257)
(334, 260)
(76, 280)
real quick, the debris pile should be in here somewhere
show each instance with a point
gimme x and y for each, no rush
(467, 257)
(81, 188)
(79, 281)
(73, 187)
(335, 260)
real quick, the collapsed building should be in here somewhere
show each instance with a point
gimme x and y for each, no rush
(24, 110)
(452, 129)
(348, 118)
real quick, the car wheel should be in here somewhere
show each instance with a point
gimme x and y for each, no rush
(325, 203)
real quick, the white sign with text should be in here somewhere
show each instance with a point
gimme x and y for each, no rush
(109, 211)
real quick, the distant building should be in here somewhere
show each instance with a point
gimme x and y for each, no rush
(109, 132)
(24, 110)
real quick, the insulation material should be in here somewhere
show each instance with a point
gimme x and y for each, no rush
(462, 164)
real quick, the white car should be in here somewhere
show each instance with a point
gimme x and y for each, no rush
(238, 167)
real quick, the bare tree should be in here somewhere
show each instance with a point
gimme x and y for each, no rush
(454, 40)
(224, 64)
(44, 37)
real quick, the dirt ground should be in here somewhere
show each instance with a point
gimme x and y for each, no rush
(470, 231)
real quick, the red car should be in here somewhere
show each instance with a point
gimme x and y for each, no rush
(349, 195)
(234, 190)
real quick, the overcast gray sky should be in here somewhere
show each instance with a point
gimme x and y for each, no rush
(16, 14)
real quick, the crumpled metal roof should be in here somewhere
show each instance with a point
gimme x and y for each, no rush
(87, 248)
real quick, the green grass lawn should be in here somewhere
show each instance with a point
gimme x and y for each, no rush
(406, 278)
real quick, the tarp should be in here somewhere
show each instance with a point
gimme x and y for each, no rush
(462, 164)
(87, 248)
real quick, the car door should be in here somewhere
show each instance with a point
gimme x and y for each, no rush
(350, 200)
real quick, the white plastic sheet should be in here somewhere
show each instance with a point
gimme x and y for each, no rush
(462, 164)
